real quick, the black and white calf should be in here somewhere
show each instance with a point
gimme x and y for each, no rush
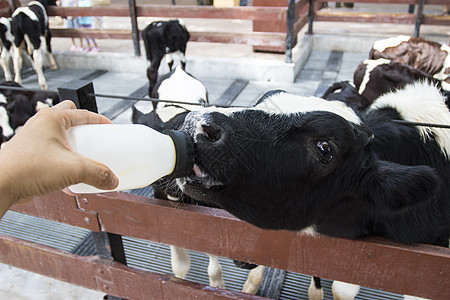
(163, 38)
(29, 26)
(17, 106)
(178, 86)
(6, 44)
(345, 92)
(311, 165)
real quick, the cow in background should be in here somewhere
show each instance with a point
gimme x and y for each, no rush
(373, 78)
(163, 38)
(421, 54)
(29, 27)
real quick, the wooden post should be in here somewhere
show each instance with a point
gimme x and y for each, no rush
(270, 25)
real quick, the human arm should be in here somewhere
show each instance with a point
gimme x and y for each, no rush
(38, 159)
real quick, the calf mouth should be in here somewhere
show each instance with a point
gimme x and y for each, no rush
(199, 179)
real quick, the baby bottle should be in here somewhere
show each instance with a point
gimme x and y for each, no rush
(137, 154)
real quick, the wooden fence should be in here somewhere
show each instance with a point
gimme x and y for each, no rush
(276, 23)
(420, 270)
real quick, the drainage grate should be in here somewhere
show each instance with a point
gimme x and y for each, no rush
(57, 235)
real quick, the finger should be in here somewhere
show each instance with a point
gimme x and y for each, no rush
(66, 104)
(79, 117)
(99, 175)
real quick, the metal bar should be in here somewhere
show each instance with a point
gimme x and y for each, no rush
(106, 275)
(418, 18)
(407, 123)
(310, 17)
(124, 104)
(362, 262)
(149, 99)
(289, 30)
(13, 4)
(134, 27)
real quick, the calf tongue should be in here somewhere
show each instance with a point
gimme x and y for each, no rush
(198, 172)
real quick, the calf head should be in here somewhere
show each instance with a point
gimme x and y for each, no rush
(289, 170)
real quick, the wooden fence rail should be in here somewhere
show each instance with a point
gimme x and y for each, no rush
(420, 270)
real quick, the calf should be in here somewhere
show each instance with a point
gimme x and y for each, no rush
(373, 78)
(29, 26)
(17, 106)
(163, 38)
(345, 92)
(427, 56)
(178, 85)
(315, 166)
(7, 40)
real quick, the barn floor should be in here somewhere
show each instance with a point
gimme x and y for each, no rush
(322, 67)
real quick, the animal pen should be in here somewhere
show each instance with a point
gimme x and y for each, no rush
(420, 270)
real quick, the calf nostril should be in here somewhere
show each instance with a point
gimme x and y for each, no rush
(213, 133)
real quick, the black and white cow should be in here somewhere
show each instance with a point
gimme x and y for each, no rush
(17, 106)
(424, 55)
(163, 38)
(177, 85)
(345, 92)
(311, 165)
(29, 27)
(6, 44)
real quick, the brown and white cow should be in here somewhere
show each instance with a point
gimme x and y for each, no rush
(428, 56)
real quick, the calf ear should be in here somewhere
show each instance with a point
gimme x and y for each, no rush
(136, 115)
(397, 186)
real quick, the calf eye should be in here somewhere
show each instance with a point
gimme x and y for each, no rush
(325, 150)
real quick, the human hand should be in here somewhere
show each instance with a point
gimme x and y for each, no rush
(38, 159)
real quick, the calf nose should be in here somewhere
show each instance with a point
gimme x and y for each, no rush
(212, 131)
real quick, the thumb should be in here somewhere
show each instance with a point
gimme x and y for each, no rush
(99, 175)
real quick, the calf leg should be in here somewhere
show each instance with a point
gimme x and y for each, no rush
(180, 260)
(169, 60)
(215, 272)
(38, 58)
(407, 297)
(315, 291)
(17, 63)
(5, 57)
(51, 58)
(255, 276)
(152, 75)
(344, 291)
